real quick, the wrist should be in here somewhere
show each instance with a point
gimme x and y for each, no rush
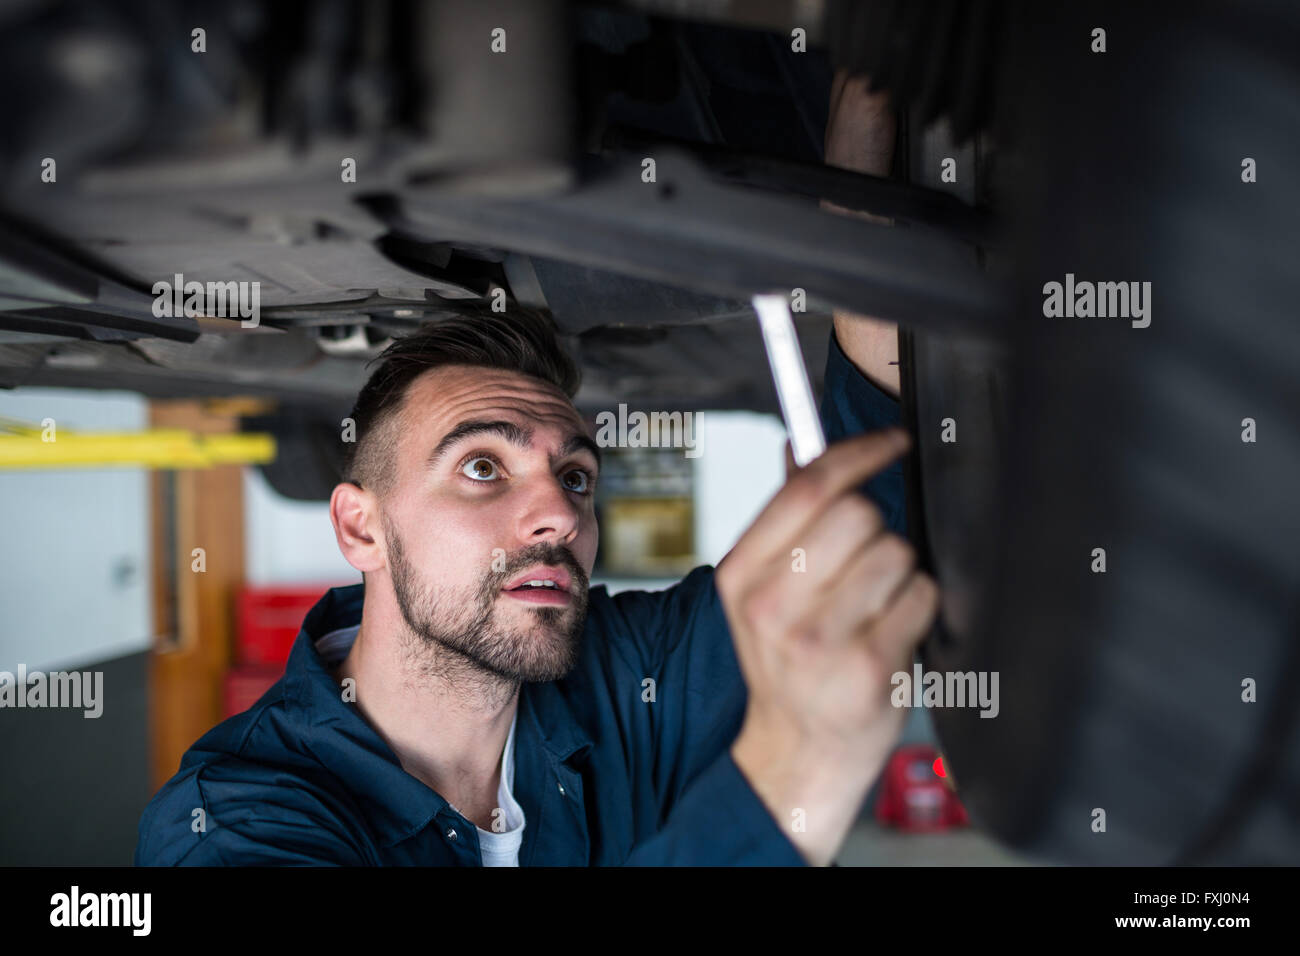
(812, 788)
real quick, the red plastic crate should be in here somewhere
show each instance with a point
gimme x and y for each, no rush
(244, 685)
(269, 621)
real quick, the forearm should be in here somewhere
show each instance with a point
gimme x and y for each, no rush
(692, 835)
(872, 346)
(861, 128)
(860, 136)
(813, 794)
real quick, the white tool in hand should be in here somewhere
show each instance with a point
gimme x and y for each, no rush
(797, 404)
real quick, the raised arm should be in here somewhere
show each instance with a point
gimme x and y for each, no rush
(860, 136)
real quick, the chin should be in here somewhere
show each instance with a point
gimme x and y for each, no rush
(560, 641)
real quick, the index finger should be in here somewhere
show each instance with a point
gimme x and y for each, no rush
(810, 490)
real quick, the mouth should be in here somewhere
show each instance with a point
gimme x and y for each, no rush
(541, 585)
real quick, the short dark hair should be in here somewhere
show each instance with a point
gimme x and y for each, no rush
(523, 340)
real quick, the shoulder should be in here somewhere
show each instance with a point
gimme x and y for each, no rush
(645, 627)
(237, 801)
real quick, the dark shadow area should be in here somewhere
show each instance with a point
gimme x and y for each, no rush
(74, 788)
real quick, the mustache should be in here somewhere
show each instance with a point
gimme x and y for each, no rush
(552, 554)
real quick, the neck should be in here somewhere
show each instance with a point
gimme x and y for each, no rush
(444, 717)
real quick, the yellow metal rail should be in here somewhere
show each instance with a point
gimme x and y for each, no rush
(31, 446)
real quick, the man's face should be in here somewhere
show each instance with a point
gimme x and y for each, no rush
(492, 488)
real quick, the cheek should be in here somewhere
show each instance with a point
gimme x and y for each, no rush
(588, 542)
(452, 541)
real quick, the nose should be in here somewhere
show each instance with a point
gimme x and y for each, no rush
(549, 514)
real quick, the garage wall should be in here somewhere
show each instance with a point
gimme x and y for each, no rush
(74, 589)
(74, 555)
(741, 465)
(289, 542)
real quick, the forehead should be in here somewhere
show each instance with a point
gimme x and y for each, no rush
(441, 398)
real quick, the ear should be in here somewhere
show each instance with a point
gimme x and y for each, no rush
(354, 512)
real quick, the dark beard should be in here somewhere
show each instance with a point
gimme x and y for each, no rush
(466, 624)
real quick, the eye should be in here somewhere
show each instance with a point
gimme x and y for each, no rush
(577, 481)
(480, 469)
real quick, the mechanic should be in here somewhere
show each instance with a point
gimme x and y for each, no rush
(474, 703)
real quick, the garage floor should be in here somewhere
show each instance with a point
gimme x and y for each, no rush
(871, 845)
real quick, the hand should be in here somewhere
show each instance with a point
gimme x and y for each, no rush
(818, 646)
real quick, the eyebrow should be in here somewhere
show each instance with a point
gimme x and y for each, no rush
(579, 443)
(516, 435)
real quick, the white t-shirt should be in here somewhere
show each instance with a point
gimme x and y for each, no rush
(502, 849)
(497, 849)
